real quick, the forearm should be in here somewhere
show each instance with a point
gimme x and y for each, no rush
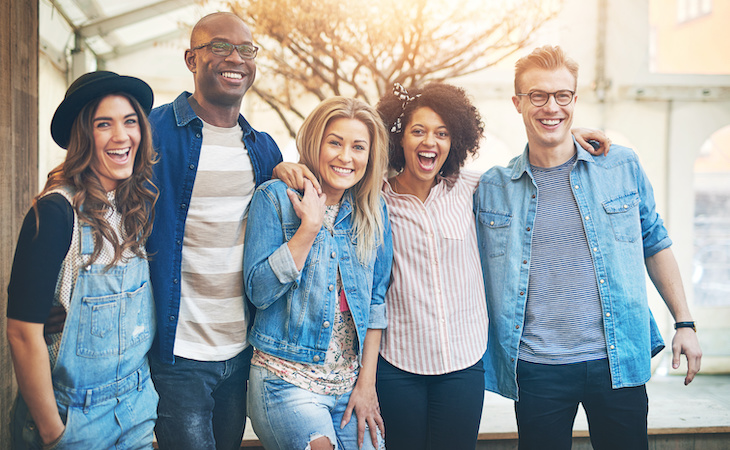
(369, 362)
(664, 273)
(33, 372)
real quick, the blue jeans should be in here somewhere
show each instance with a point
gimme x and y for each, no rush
(430, 411)
(287, 417)
(549, 397)
(202, 403)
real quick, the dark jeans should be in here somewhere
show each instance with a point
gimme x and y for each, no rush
(430, 411)
(548, 402)
(202, 403)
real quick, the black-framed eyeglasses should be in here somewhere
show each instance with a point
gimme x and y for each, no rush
(562, 97)
(246, 51)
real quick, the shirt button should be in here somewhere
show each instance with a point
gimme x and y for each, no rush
(333, 255)
(533, 196)
(191, 166)
(595, 249)
(326, 324)
(174, 281)
(178, 242)
(524, 261)
(171, 318)
(626, 206)
(612, 347)
(528, 228)
(331, 287)
(197, 135)
(522, 293)
(608, 314)
(602, 281)
(588, 217)
(491, 223)
(183, 205)
(517, 327)
(576, 186)
(316, 358)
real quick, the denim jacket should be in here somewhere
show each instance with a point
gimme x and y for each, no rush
(178, 136)
(296, 308)
(616, 203)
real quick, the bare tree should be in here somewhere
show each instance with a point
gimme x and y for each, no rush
(360, 48)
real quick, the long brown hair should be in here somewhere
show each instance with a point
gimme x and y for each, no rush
(135, 197)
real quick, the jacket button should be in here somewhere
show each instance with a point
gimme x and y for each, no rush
(326, 324)
(331, 287)
(333, 255)
(316, 358)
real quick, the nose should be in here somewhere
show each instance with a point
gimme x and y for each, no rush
(119, 134)
(429, 139)
(552, 103)
(346, 154)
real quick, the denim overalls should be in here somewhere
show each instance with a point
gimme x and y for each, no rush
(101, 378)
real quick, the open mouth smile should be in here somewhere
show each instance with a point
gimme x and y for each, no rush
(427, 160)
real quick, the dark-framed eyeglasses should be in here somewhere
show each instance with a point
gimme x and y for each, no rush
(562, 97)
(246, 51)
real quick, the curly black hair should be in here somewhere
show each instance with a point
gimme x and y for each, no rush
(452, 104)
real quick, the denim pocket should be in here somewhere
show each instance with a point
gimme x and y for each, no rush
(99, 334)
(623, 212)
(496, 227)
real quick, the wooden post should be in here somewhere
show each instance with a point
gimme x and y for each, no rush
(18, 158)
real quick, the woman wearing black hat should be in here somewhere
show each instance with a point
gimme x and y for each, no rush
(82, 247)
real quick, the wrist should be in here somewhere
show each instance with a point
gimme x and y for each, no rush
(685, 324)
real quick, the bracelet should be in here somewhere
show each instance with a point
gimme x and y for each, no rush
(679, 325)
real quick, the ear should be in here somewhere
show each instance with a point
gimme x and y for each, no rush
(516, 102)
(190, 60)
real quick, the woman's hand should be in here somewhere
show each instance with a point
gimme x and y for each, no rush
(364, 402)
(294, 174)
(310, 209)
(586, 136)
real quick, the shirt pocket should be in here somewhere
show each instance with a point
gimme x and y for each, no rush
(496, 226)
(99, 333)
(623, 212)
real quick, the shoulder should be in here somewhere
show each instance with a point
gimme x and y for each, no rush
(617, 155)
(497, 174)
(55, 208)
(274, 189)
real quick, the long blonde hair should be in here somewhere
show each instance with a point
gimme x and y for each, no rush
(135, 197)
(368, 220)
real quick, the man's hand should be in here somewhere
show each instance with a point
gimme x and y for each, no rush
(294, 174)
(685, 342)
(54, 323)
(586, 137)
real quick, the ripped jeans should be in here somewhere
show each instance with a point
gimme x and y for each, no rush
(288, 417)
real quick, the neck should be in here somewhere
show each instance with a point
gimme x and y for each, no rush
(402, 184)
(547, 156)
(216, 115)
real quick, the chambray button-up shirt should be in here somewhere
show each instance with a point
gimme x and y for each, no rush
(617, 206)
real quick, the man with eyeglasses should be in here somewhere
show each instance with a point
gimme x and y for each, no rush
(564, 239)
(211, 161)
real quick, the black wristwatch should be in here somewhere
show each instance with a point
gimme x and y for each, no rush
(679, 325)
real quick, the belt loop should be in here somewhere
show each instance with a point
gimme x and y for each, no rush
(139, 380)
(87, 402)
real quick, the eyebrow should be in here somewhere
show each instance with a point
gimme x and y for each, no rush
(109, 118)
(342, 139)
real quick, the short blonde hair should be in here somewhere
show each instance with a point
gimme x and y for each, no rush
(368, 222)
(546, 57)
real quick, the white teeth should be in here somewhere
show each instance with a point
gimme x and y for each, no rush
(550, 121)
(427, 154)
(235, 76)
(121, 151)
(342, 170)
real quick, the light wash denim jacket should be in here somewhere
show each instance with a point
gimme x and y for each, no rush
(177, 136)
(616, 202)
(296, 309)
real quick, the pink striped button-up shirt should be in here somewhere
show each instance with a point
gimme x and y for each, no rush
(437, 313)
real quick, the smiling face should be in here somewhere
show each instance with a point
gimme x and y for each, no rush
(426, 144)
(116, 139)
(220, 80)
(548, 126)
(343, 156)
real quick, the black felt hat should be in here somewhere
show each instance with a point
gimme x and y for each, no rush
(86, 88)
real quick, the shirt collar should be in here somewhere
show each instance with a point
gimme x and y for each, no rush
(522, 162)
(184, 114)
